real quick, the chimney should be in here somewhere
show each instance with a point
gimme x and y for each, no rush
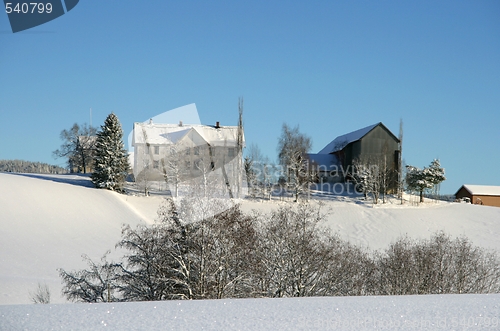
(180, 123)
(150, 121)
(217, 124)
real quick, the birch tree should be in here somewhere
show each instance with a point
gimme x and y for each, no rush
(292, 149)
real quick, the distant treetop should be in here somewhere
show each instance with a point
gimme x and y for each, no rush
(30, 167)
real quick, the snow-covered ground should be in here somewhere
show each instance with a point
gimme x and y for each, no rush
(376, 226)
(48, 221)
(426, 312)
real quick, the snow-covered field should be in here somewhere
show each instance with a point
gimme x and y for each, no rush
(432, 312)
(376, 226)
(48, 222)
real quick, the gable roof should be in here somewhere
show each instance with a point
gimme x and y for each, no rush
(341, 141)
(168, 134)
(482, 189)
(222, 136)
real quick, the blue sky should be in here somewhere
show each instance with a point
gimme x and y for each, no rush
(329, 66)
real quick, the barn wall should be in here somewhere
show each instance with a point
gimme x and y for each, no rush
(487, 200)
(463, 193)
(378, 140)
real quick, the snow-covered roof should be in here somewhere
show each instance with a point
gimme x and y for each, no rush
(324, 160)
(167, 134)
(483, 189)
(222, 136)
(341, 141)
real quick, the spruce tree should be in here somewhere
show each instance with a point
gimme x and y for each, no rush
(110, 161)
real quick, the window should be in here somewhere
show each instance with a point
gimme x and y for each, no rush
(156, 164)
(230, 151)
(188, 164)
(197, 150)
(188, 151)
(157, 150)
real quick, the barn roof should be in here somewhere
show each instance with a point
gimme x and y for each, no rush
(341, 141)
(482, 189)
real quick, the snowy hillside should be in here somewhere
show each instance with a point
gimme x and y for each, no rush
(48, 222)
(376, 226)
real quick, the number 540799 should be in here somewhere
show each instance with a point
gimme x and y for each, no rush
(29, 7)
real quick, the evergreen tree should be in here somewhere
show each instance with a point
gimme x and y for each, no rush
(110, 162)
(422, 179)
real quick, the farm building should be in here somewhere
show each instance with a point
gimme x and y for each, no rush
(178, 153)
(372, 144)
(480, 194)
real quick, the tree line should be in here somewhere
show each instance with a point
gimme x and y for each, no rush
(30, 167)
(286, 253)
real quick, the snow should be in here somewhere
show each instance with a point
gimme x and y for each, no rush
(47, 224)
(187, 113)
(376, 226)
(49, 221)
(483, 189)
(166, 134)
(159, 133)
(346, 139)
(222, 136)
(429, 312)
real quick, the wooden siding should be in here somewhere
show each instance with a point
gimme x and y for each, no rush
(485, 200)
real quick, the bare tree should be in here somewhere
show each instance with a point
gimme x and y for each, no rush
(158, 264)
(292, 149)
(367, 176)
(206, 248)
(400, 163)
(250, 175)
(372, 175)
(239, 148)
(260, 172)
(172, 167)
(227, 254)
(267, 173)
(41, 294)
(94, 285)
(294, 255)
(143, 177)
(78, 146)
(439, 265)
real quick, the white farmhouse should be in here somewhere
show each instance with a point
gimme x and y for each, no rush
(182, 152)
